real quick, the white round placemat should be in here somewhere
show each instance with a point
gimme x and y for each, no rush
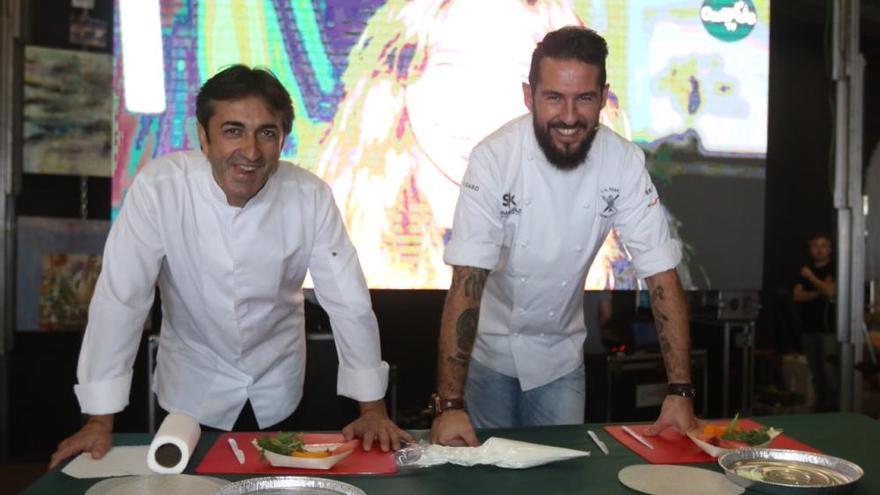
(664, 479)
(156, 484)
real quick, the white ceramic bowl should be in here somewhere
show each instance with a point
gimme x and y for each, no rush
(279, 460)
(715, 451)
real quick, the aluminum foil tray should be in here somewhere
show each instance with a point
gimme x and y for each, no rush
(286, 485)
(156, 484)
(777, 471)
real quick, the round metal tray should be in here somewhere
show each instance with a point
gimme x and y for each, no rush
(157, 483)
(777, 471)
(285, 485)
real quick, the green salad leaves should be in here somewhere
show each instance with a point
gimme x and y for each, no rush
(757, 436)
(283, 443)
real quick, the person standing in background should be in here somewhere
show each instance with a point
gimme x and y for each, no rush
(814, 293)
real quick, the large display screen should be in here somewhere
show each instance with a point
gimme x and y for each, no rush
(391, 95)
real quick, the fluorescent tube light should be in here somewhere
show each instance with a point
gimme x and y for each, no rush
(143, 71)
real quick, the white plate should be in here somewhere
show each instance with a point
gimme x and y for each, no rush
(717, 451)
(279, 460)
(663, 479)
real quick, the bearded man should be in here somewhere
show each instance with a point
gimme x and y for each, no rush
(538, 197)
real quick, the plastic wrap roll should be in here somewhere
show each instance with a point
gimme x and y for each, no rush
(173, 444)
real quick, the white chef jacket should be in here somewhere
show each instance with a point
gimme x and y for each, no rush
(232, 303)
(538, 229)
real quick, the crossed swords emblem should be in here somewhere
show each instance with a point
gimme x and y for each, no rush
(609, 203)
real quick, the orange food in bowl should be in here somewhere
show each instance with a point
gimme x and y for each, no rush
(714, 430)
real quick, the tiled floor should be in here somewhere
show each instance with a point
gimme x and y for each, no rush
(14, 478)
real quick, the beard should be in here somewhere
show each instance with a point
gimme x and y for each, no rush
(574, 154)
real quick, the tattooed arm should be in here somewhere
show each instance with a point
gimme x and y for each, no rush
(670, 318)
(458, 330)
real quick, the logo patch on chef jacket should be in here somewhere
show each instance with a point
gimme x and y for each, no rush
(472, 187)
(650, 192)
(508, 203)
(609, 195)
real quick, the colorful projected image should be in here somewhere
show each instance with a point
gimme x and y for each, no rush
(392, 95)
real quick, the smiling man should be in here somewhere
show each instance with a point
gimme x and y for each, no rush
(539, 196)
(228, 234)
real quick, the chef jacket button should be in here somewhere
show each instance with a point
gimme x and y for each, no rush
(528, 201)
(542, 334)
(587, 205)
(523, 280)
(552, 313)
(524, 244)
(564, 283)
(522, 310)
(578, 248)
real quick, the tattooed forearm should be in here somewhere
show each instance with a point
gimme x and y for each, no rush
(465, 334)
(458, 361)
(660, 322)
(472, 280)
(466, 329)
(657, 293)
(473, 285)
(458, 328)
(670, 318)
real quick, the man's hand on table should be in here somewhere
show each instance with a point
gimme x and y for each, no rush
(678, 413)
(454, 428)
(375, 425)
(95, 437)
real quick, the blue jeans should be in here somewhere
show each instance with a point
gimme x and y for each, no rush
(497, 401)
(819, 348)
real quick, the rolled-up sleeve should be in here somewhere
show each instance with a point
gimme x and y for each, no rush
(123, 297)
(642, 222)
(342, 291)
(477, 231)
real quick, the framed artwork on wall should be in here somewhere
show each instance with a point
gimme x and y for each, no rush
(67, 112)
(59, 260)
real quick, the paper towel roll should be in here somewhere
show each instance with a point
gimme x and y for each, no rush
(173, 444)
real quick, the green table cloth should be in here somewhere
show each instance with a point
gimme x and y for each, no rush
(851, 436)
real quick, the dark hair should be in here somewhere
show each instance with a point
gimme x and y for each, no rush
(570, 43)
(819, 235)
(240, 81)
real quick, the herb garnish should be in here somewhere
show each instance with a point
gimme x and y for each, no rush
(757, 436)
(283, 443)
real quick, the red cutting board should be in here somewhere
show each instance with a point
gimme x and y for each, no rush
(672, 448)
(220, 459)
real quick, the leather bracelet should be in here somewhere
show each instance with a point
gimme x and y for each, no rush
(439, 405)
(685, 390)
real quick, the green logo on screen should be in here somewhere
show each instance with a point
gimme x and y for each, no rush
(729, 20)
